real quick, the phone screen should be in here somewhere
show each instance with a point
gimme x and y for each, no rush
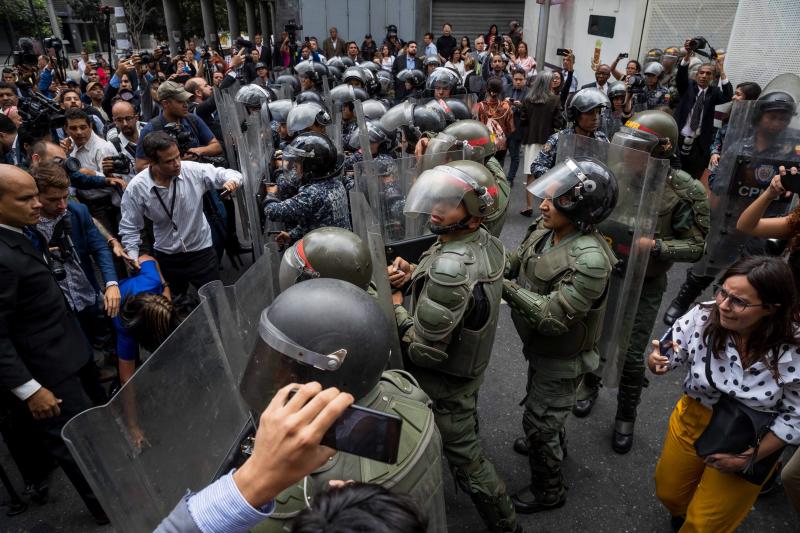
(366, 433)
(665, 343)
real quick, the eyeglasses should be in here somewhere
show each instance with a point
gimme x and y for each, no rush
(124, 119)
(736, 303)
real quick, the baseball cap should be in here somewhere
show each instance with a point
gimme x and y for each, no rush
(260, 65)
(170, 89)
(91, 85)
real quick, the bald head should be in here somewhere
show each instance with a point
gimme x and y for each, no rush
(122, 108)
(19, 197)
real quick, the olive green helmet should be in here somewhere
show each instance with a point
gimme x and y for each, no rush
(652, 131)
(477, 135)
(327, 253)
(443, 188)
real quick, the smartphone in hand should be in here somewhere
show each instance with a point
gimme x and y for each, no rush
(665, 343)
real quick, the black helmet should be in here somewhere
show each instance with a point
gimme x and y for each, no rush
(370, 66)
(374, 109)
(354, 74)
(303, 116)
(385, 82)
(414, 120)
(279, 109)
(313, 70)
(441, 105)
(431, 60)
(289, 81)
(377, 134)
(458, 108)
(327, 253)
(415, 77)
(776, 101)
(586, 100)
(582, 188)
(335, 74)
(444, 78)
(317, 154)
(370, 81)
(615, 89)
(347, 62)
(347, 93)
(308, 96)
(324, 330)
(337, 63)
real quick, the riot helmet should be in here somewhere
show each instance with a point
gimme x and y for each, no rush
(328, 252)
(775, 102)
(582, 188)
(458, 108)
(252, 96)
(354, 74)
(654, 55)
(324, 330)
(308, 96)
(414, 120)
(444, 79)
(585, 100)
(431, 61)
(336, 62)
(370, 81)
(415, 77)
(279, 109)
(312, 70)
(316, 153)
(477, 136)
(290, 82)
(347, 62)
(303, 116)
(440, 190)
(374, 109)
(370, 66)
(347, 93)
(650, 131)
(385, 82)
(616, 89)
(654, 69)
(377, 134)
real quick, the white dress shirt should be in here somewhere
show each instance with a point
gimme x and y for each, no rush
(187, 229)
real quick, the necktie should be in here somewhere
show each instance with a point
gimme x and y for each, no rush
(697, 110)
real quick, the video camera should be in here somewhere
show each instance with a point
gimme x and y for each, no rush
(40, 114)
(53, 42)
(184, 139)
(636, 83)
(120, 164)
(697, 44)
(244, 43)
(205, 53)
(25, 54)
(291, 28)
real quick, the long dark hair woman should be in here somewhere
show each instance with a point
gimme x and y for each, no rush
(741, 348)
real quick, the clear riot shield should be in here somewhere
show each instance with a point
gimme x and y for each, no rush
(751, 155)
(255, 162)
(363, 132)
(386, 187)
(366, 226)
(177, 424)
(641, 181)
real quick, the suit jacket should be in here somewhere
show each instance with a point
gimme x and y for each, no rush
(265, 55)
(688, 89)
(330, 51)
(400, 64)
(593, 85)
(40, 338)
(89, 244)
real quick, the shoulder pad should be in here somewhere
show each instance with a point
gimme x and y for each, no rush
(450, 268)
(405, 384)
(591, 257)
(496, 256)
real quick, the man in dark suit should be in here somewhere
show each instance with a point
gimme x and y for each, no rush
(264, 52)
(334, 46)
(408, 60)
(10, 146)
(601, 76)
(695, 114)
(45, 360)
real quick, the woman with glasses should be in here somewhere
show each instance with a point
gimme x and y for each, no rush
(742, 345)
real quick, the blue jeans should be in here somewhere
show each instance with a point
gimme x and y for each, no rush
(514, 145)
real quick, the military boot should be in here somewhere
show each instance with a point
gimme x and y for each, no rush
(628, 398)
(497, 512)
(587, 395)
(521, 444)
(546, 491)
(690, 290)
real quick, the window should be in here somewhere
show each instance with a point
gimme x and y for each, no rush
(602, 26)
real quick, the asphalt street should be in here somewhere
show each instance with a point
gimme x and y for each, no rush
(607, 492)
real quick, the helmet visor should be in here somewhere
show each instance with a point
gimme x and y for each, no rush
(398, 116)
(559, 180)
(637, 139)
(436, 191)
(295, 267)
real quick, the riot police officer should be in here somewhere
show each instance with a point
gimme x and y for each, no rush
(477, 143)
(307, 116)
(442, 82)
(683, 222)
(557, 305)
(413, 82)
(583, 113)
(449, 331)
(321, 199)
(311, 73)
(279, 113)
(332, 332)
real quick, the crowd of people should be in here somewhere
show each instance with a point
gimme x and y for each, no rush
(118, 200)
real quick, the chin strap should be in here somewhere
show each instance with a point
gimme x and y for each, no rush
(437, 229)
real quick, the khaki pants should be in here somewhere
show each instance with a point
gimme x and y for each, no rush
(713, 501)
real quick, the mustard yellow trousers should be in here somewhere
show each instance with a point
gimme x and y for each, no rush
(712, 501)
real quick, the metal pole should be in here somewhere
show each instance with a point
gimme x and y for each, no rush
(541, 36)
(173, 22)
(209, 22)
(233, 20)
(250, 14)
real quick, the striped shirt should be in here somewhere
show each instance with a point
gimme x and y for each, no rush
(186, 230)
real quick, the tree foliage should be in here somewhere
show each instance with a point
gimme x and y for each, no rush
(20, 20)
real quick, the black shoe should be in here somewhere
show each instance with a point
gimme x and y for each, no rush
(688, 293)
(37, 492)
(101, 518)
(584, 407)
(772, 482)
(622, 439)
(16, 507)
(526, 502)
(521, 446)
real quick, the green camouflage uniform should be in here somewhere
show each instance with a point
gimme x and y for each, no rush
(455, 300)
(557, 309)
(495, 222)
